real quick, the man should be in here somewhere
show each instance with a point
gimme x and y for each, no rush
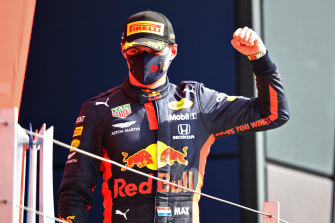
(161, 129)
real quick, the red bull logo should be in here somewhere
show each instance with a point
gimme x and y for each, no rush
(147, 90)
(141, 159)
(68, 218)
(154, 95)
(155, 156)
(169, 156)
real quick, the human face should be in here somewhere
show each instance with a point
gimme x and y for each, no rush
(146, 65)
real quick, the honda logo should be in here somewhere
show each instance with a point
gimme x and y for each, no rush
(184, 129)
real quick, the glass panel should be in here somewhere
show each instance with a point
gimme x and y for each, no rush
(301, 43)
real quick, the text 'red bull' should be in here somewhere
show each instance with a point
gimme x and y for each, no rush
(122, 189)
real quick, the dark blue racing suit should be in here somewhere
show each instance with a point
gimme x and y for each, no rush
(166, 132)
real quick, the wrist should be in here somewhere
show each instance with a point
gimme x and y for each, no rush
(263, 66)
(257, 55)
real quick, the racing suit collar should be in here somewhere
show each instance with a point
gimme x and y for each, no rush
(146, 95)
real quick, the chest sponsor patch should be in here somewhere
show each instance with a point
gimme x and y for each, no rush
(185, 116)
(121, 111)
(155, 156)
(184, 131)
(126, 188)
(178, 105)
(124, 124)
(116, 132)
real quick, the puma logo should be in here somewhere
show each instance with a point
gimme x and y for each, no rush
(190, 90)
(102, 103)
(123, 214)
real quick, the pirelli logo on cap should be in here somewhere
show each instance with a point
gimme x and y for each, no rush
(145, 27)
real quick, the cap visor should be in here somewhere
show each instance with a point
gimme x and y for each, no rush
(152, 43)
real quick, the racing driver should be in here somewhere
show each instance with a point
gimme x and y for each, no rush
(161, 129)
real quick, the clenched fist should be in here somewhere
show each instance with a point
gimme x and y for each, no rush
(247, 42)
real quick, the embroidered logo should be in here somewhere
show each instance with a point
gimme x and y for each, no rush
(121, 213)
(121, 111)
(102, 103)
(145, 27)
(164, 211)
(75, 143)
(178, 105)
(80, 119)
(124, 124)
(192, 90)
(77, 131)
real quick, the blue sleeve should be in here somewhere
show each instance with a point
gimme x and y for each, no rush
(227, 115)
(81, 172)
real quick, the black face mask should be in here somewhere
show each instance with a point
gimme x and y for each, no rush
(147, 68)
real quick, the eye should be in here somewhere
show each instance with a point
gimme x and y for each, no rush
(156, 52)
(133, 51)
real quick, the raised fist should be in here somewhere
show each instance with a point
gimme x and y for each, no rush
(247, 42)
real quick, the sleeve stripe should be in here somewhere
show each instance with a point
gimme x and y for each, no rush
(273, 104)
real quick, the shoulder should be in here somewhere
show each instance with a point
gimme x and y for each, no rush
(190, 86)
(107, 94)
(102, 101)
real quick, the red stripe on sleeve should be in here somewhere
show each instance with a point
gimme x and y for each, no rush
(151, 113)
(273, 104)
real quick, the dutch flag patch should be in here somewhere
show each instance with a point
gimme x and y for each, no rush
(163, 211)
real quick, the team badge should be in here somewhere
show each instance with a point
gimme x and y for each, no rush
(121, 111)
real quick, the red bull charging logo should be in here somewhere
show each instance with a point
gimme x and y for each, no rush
(155, 156)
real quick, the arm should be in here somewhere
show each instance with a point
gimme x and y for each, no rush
(81, 172)
(227, 115)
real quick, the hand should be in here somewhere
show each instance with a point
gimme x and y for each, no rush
(247, 42)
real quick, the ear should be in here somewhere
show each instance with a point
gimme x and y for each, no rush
(174, 50)
(123, 53)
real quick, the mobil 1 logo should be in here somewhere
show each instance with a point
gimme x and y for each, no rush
(183, 116)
